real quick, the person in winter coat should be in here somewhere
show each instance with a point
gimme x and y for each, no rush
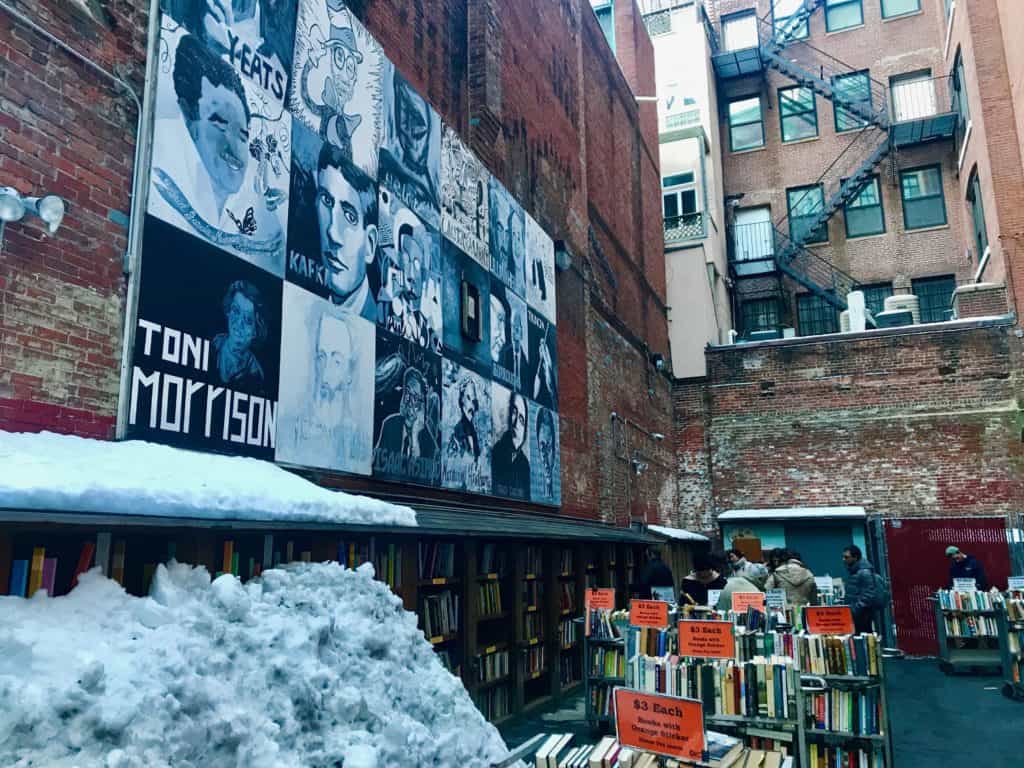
(755, 572)
(861, 589)
(656, 577)
(734, 584)
(963, 566)
(694, 588)
(794, 577)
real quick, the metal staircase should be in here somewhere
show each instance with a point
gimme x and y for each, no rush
(865, 111)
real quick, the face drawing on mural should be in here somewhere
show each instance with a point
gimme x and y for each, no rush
(465, 442)
(412, 122)
(546, 446)
(500, 322)
(245, 316)
(346, 209)
(517, 416)
(510, 465)
(334, 369)
(413, 404)
(216, 115)
(411, 259)
(515, 235)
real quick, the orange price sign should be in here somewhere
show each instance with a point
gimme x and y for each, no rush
(665, 725)
(600, 598)
(648, 613)
(743, 600)
(828, 619)
(707, 639)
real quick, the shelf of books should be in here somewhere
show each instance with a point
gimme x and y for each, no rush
(967, 630)
(533, 613)
(1011, 641)
(604, 662)
(491, 636)
(568, 589)
(440, 600)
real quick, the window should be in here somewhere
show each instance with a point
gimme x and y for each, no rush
(913, 96)
(746, 126)
(805, 204)
(935, 297)
(891, 8)
(753, 235)
(798, 113)
(761, 315)
(959, 86)
(977, 215)
(606, 18)
(864, 215)
(853, 88)
(815, 315)
(843, 14)
(679, 195)
(924, 204)
(739, 31)
(782, 14)
(875, 296)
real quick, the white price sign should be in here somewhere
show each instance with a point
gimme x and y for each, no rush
(775, 598)
(1015, 582)
(824, 583)
(713, 595)
(965, 585)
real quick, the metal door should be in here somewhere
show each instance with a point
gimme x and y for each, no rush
(918, 566)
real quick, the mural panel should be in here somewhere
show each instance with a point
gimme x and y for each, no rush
(465, 199)
(466, 429)
(507, 238)
(540, 269)
(510, 359)
(546, 475)
(510, 457)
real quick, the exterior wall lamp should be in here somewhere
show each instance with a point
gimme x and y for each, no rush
(13, 207)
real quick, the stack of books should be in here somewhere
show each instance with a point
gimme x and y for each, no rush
(607, 661)
(838, 654)
(970, 625)
(492, 666)
(490, 598)
(437, 560)
(857, 713)
(440, 614)
(969, 601)
(822, 756)
(568, 632)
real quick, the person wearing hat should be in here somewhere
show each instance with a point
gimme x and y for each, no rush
(963, 566)
(336, 126)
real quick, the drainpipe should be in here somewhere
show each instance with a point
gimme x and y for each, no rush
(140, 176)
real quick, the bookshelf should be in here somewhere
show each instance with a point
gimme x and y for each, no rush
(967, 632)
(494, 675)
(567, 608)
(604, 668)
(533, 625)
(1011, 643)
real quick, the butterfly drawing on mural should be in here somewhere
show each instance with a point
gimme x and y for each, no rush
(247, 226)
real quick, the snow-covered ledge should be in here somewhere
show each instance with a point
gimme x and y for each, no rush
(64, 473)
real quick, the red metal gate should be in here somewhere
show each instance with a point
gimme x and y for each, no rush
(918, 566)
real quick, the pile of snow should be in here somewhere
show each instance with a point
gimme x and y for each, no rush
(312, 666)
(76, 474)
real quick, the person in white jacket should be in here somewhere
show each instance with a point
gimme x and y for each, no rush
(756, 573)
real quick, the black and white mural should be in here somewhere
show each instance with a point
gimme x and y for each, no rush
(221, 143)
(330, 278)
(336, 81)
(407, 412)
(410, 156)
(465, 429)
(409, 260)
(508, 261)
(205, 367)
(329, 355)
(465, 199)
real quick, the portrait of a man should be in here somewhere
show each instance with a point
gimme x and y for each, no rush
(346, 210)
(245, 318)
(325, 416)
(507, 238)
(542, 386)
(466, 429)
(406, 432)
(510, 460)
(217, 172)
(410, 157)
(545, 482)
(509, 357)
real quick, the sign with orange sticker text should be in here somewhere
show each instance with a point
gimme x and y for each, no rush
(742, 600)
(828, 619)
(706, 639)
(648, 613)
(600, 598)
(665, 725)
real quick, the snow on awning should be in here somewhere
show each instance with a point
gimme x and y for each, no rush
(64, 473)
(679, 534)
(794, 513)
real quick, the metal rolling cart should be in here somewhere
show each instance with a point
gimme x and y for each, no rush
(1011, 646)
(955, 658)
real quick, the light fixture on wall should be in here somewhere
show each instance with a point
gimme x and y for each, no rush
(563, 259)
(13, 207)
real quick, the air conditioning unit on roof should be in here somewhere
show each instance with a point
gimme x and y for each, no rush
(904, 302)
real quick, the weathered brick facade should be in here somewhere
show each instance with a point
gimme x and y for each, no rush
(534, 89)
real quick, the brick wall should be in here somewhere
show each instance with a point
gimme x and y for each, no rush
(534, 89)
(979, 300)
(922, 423)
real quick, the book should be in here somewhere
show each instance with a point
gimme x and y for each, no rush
(19, 578)
(35, 571)
(268, 551)
(229, 553)
(5, 563)
(84, 562)
(721, 750)
(117, 562)
(103, 544)
(49, 575)
(557, 749)
(541, 757)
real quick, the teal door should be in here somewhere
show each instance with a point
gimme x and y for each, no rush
(821, 545)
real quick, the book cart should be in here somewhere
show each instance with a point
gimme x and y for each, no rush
(1011, 644)
(966, 626)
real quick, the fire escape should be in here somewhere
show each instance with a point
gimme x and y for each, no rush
(874, 132)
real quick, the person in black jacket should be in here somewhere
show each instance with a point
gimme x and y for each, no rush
(656, 577)
(861, 589)
(705, 576)
(964, 566)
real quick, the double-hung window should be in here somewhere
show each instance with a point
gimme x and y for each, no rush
(815, 315)
(977, 215)
(786, 26)
(854, 88)
(805, 204)
(746, 124)
(864, 214)
(739, 31)
(798, 113)
(892, 8)
(679, 195)
(924, 202)
(843, 14)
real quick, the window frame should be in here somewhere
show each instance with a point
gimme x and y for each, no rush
(775, 312)
(760, 121)
(802, 33)
(980, 233)
(737, 17)
(958, 85)
(678, 189)
(905, 80)
(782, 113)
(937, 167)
(923, 282)
(833, 4)
(607, 7)
(885, 290)
(838, 111)
(901, 13)
(789, 214)
(818, 320)
(880, 205)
